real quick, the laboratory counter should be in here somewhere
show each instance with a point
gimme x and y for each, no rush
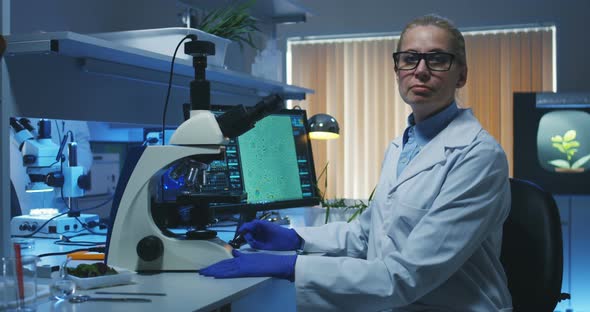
(183, 291)
(187, 292)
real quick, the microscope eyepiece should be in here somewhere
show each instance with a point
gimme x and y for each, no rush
(239, 120)
(16, 125)
(44, 129)
(27, 124)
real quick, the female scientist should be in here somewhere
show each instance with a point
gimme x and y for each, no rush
(431, 239)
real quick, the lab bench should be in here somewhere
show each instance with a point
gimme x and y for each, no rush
(184, 291)
(86, 78)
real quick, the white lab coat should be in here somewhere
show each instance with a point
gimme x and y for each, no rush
(430, 240)
(18, 173)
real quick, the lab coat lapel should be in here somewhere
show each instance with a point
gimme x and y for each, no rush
(460, 132)
(394, 159)
(433, 153)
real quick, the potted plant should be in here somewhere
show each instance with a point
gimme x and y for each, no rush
(569, 146)
(337, 209)
(232, 22)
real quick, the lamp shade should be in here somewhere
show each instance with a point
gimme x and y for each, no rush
(323, 127)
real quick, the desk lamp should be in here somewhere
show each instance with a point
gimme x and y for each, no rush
(323, 127)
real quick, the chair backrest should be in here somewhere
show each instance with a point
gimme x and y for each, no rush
(532, 248)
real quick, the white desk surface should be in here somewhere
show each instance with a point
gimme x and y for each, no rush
(184, 291)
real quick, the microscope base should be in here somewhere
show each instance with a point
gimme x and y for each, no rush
(64, 225)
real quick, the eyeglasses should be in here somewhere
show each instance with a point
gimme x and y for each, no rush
(435, 61)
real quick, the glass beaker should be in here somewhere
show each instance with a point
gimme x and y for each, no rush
(19, 282)
(62, 288)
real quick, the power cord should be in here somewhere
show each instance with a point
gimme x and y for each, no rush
(192, 37)
(91, 249)
(88, 227)
(31, 235)
(66, 241)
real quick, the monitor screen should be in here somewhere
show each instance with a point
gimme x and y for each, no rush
(273, 163)
(552, 141)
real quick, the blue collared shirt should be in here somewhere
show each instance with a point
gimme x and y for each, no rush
(418, 135)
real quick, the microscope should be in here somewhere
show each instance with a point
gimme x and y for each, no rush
(43, 162)
(43, 159)
(139, 239)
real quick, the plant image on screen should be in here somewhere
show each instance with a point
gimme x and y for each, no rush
(563, 141)
(568, 146)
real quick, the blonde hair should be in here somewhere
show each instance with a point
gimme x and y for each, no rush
(457, 40)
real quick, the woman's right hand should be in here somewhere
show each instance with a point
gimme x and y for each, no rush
(261, 234)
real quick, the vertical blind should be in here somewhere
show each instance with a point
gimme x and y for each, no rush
(354, 81)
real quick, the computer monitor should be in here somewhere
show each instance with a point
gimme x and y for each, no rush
(272, 163)
(552, 141)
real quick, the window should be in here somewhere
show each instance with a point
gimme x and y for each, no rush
(354, 81)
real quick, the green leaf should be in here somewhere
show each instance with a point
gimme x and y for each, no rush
(580, 162)
(569, 145)
(570, 135)
(323, 174)
(359, 206)
(556, 139)
(354, 215)
(372, 193)
(232, 22)
(559, 146)
(560, 163)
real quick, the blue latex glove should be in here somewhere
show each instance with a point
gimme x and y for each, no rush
(253, 265)
(261, 234)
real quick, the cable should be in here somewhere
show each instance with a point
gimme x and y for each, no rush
(99, 205)
(74, 236)
(40, 227)
(92, 249)
(68, 242)
(59, 215)
(87, 228)
(48, 166)
(192, 37)
(71, 135)
(57, 127)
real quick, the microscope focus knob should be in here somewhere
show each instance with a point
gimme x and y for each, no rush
(150, 248)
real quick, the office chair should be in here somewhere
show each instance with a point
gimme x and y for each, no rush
(532, 249)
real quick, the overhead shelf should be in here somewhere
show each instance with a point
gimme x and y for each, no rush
(87, 47)
(67, 66)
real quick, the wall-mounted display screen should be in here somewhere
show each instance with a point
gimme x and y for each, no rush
(552, 141)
